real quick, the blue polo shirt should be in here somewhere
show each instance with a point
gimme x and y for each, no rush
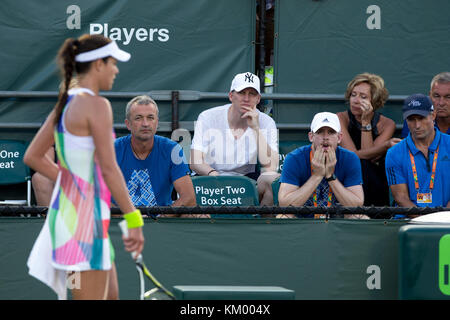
(399, 169)
(297, 170)
(150, 181)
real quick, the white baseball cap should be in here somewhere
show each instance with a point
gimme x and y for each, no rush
(325, 119)
(109, 50)
(245, 80)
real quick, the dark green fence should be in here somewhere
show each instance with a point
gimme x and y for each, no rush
(318, 259)
(174, 45)
(321, 45)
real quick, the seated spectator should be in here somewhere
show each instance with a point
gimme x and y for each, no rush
(42, 186)
(322, 173)
(440, 96)
(418, 168)
(152, 165)
(232, 139)
(369, 134)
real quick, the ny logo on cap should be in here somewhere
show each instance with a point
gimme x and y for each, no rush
(248, 77)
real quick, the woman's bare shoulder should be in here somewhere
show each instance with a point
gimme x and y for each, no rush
(385, 121)
(93, 105)
(343, 117)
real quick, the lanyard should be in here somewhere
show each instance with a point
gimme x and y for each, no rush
(433, 170)
(315, 191)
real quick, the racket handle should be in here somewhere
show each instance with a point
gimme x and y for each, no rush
(124, 227)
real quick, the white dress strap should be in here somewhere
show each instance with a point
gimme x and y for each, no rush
(75, 91)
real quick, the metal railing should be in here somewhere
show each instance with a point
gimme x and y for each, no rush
(175, 96)
(190, 95)
(263, 211)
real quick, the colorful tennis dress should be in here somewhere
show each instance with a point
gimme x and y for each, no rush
(75, 234)
(79, 212)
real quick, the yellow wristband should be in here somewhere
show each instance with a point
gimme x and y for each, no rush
(134, 219)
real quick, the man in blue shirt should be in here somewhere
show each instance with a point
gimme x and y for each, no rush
(322, 174)
(152, 165)
(440, 96)
(418, 167)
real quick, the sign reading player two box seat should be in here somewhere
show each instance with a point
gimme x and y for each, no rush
(225, 191)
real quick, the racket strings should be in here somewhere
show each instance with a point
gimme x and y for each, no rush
(156, 294)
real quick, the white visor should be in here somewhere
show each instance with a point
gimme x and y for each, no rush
(110, 50)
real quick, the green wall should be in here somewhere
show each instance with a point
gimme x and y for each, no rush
(174, 45)
(316, 259)
(321, 45)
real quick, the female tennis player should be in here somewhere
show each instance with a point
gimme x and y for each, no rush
(74, 243)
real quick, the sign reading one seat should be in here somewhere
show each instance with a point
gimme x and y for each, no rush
(8, 158)
(12, 168)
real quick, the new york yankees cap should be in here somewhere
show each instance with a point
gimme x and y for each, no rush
(245, 80)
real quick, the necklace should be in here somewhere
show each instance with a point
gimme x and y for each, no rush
(137, 155)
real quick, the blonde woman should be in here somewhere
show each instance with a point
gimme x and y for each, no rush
(368, 133)
(74, 241)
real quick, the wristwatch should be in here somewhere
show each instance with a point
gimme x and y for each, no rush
(331, 178)
(367, 128)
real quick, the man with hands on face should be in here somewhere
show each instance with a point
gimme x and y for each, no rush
(232, 139)
(321, 174)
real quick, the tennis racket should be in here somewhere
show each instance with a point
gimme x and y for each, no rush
(159, 292)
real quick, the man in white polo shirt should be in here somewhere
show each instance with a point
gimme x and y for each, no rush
(232, 139)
